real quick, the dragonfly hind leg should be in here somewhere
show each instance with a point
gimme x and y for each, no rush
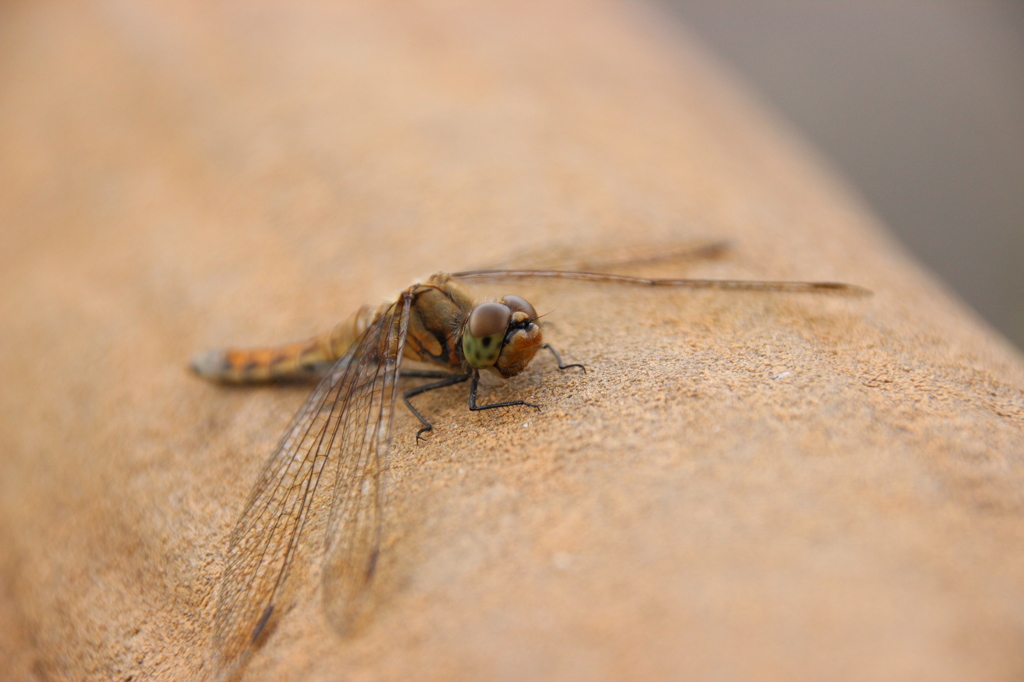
(448, 380)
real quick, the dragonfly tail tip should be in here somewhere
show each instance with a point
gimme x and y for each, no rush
(209, 363)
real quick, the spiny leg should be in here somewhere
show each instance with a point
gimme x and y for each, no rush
(472, 397)
(448, 380)
(427, 374)
(558, 359)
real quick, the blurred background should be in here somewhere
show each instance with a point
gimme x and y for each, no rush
(919, 103)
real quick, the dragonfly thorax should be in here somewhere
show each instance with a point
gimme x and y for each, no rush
(501, 336)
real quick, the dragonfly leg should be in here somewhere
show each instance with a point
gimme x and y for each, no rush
(428, 374)
(472, 397)
(448, 380)
(558, 359)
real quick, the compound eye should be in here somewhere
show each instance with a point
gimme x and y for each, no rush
(481, 343)
(520, 305)
(488, 319)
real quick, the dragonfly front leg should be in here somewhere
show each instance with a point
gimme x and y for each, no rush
(449, 380)
(558, 359)
(472, 397)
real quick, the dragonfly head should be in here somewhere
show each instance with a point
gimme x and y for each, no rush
(502, 336)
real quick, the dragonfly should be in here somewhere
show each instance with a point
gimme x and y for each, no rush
(336, 445)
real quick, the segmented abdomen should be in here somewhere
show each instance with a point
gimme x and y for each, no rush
(290, 362)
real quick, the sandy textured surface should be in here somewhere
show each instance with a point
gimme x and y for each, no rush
(741, 487)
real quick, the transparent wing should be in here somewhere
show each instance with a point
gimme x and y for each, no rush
(835, 288)
(340, 434)
(574, 257)
(352, 542)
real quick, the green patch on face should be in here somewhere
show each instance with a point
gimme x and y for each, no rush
(483, 352)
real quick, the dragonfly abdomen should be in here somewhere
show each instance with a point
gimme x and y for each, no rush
(290, 362)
